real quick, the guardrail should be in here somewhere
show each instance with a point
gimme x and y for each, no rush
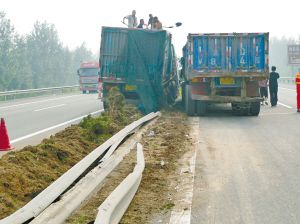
(13, 94)
(113, 208)
(287, 80)
(70, 201)
(33, 208)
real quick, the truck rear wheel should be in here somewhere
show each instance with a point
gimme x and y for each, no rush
(183, 94)
(201, 108)
(105, 105)
(234, 107)
(240, 109)
(190, 104)
(254, 108)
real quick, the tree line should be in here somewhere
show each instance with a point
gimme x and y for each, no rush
(38, 59)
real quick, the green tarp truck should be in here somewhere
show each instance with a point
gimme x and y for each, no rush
(142, 63)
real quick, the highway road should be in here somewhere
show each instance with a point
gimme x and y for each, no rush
(30, 120)
(247, 168)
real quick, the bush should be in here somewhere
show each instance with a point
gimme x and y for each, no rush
(108, 123)
(116, 102)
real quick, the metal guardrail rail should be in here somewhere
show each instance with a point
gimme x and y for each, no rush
(113, 208)
(31, 91)
(287, 80)
(33, 208)
(58, 212)
(70, 201)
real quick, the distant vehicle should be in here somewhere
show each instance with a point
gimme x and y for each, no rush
(89, 77)
(224, 68)
(142, 64)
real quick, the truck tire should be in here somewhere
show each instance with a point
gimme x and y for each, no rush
(105, 105)
(190, 104)
(183, 94)
(239, 109)
(234, 107)
(254, 108)
(201, 108)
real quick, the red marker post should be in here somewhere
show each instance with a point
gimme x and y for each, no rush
(298, 91)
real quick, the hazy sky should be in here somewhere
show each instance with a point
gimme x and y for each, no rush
(80, 21)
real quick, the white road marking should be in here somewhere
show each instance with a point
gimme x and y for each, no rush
(40, 101)
(46, 108)
(184, 216)
(284, 105)
(262, 114)
(53, 127)
(287, 89)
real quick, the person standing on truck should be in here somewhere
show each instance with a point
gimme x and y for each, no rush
(131, 20)
(150, 21)
(273, 86)
(141, 24)
(298, 90)
(263, 89)
(157, 25)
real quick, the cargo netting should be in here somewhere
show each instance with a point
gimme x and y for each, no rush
(143, 58)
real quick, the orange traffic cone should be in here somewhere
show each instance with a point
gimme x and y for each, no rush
(4, 140)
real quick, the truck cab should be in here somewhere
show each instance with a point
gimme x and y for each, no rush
(88, 77)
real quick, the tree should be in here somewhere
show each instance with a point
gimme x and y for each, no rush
(23, 72)
(38, 59)
(6, 47)
(45, 49)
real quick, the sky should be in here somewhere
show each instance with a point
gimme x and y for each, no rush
(80, 21)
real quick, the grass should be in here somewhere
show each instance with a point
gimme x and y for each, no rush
(168, 206)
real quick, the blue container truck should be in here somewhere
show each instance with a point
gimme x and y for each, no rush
(224, 68)
(142, 64)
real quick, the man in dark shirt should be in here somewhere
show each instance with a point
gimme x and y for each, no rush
(273, 86)
(141, 24)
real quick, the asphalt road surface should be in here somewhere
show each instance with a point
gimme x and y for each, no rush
(247, 168)
(30, 120)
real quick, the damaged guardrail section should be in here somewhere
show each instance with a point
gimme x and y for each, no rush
(33, 208)
(113, 208)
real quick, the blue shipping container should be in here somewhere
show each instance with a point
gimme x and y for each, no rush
(228, 53)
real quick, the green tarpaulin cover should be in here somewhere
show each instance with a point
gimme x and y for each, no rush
(141, 57)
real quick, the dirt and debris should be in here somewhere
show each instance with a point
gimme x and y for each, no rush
(156, 195)
(25, 173)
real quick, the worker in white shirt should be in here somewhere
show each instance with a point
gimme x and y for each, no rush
(131, 20)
